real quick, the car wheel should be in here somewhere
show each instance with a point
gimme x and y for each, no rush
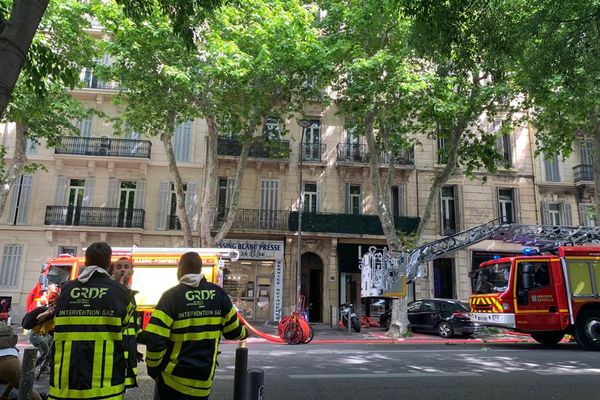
(445, 330)
(587, 329)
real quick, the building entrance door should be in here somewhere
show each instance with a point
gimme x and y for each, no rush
(262, 300)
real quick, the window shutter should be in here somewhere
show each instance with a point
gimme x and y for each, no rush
(88, 192)
(517, 205)
(26, 185)
(318, 205)
(113, 193)
(60, 196)
(191, 202)
(230, 185)
(164, 195)
(347, 198)
(140, 193)
(567, 214)
(583, 214)
(85, 127)
(11, 265)
(12, 215)
(545, 213)
(182, 141)
(401, 200)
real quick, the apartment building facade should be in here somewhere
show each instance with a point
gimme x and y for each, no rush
(98, 186)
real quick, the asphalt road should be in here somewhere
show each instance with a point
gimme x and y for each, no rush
(384, 371)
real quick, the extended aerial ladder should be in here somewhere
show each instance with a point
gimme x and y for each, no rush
(382, 271)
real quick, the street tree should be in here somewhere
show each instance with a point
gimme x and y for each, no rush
(41, 108)
(559, 72)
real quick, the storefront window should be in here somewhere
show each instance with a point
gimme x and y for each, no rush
(249, 284)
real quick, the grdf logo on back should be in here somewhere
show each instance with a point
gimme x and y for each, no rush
(87, 293)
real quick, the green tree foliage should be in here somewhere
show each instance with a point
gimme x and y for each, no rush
(40, 106)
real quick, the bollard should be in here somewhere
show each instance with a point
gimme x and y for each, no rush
(240, 374)
(256, 384)
(27, 372)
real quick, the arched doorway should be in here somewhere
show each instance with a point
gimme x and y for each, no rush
(311, 286)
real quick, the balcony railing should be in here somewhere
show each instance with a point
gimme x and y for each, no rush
(107, 147)
(255, 219)
(313, 152)
(583, 173)
(279, 149)
(357, 153)
(360, 224)
(94, 216)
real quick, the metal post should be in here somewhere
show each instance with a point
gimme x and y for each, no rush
(256, 384)
(240, 379)
(27, 372)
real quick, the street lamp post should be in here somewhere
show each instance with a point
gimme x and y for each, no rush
(304, 123)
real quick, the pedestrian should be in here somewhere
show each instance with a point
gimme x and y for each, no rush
(10, 366)
(122, 272)
(92, 315)
(182, 337)
(41, 322)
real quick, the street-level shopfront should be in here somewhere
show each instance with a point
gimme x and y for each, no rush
(255, 281)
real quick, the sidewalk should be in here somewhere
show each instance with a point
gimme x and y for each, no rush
(324, 333)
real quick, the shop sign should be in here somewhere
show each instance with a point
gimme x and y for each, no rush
(255, 249)
(277, 290)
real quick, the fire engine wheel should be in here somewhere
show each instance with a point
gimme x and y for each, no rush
(548, 338)
(445, 330)
(587, 331)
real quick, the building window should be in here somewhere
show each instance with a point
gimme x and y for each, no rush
(448, 202)
(587, 214)
(72, 250)
(21, 197)
(182, 141)
(174, 223)
(269, 202)
(506, 205)
(84, 126)
(585, 153)
(11, 266)
(353, 199)
(556, 213)
(224, 196)
(272, 129)
(398, 202)
(310, 197)
(552, 168)
(442, 157)
(311, 145)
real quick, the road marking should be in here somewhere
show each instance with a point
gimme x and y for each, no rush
(569, 371)
(395, 375)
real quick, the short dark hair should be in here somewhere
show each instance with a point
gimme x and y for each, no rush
(190, 263)
(98, 253)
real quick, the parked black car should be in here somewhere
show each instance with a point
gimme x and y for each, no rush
(445, 317)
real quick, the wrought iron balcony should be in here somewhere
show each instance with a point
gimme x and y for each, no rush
(357, 153)
(255, 219)
(94, 216)
(312, 152)
(279, 149)
(104, 146)
(583, 173)
(360, 224)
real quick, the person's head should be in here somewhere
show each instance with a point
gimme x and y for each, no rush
(189, 263)
(98, 253)
(122, 270)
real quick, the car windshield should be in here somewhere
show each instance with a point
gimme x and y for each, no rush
(492, 279)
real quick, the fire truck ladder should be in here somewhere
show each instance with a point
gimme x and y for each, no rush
(545, 238)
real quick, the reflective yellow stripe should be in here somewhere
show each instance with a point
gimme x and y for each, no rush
(108, 366)
(231, 327)
(159, 330)
(98, 356)
(112, 392)
(230, 314)
(97, 336)
(64, 377)
(58, 349)
(168, 321)
(153, 359)
(183, 388)
(113, 321)
(174, 358)
(182, 337)
(199, 321)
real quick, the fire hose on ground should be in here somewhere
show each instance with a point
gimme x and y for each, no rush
(293, 329)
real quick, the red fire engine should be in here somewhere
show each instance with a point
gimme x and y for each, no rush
(154, 271)
(547, 296)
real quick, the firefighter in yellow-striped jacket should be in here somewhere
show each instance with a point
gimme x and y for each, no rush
(182, 337)
(93, 313)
